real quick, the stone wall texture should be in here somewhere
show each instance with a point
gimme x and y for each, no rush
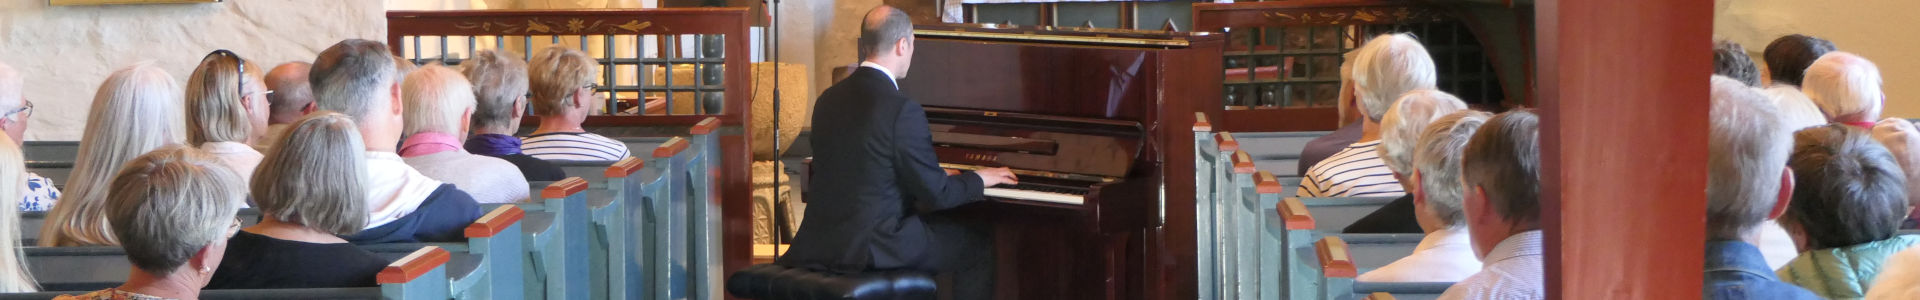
(64, 52)
(1880, 30)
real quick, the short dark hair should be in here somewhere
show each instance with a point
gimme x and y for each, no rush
(1788, 57)
(1731, 60)
(876, 37)
(1848, 189)
(1504, 159)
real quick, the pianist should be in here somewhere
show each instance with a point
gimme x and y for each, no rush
(878, 186)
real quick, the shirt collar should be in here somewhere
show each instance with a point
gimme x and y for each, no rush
(425, 143)
(227, 147)
(883, 70)
(383, 155)
(1444, 237)
(1736, 256)
(1519, 245)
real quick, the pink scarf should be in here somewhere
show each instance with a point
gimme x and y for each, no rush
(425, 143)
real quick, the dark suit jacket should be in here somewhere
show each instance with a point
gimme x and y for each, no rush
(875, 176)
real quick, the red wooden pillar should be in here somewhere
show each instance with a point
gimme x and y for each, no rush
(1623, 90)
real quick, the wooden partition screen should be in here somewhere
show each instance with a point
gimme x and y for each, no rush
(661, 70)
(1282, 61)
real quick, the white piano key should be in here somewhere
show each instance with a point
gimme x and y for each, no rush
(1036, 196)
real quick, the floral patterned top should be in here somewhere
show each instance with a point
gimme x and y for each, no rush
(40, 194)
(109, 294)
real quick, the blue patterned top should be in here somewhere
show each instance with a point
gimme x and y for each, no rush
(40, 194)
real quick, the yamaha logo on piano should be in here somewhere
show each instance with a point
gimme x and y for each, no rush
(982, 157)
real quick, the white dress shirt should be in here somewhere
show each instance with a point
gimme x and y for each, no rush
(241, 158)
(1776, 245)
(1514, 270)
(883, 70)
(1442, 256)
(394, 189)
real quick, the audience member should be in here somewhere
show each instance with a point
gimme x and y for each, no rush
(172, 211)
(1903, 140)
(356, 77)
(1390, 65)
(563, 93)
(226, 110)
(1846, 87)
(439, 103)
(1747, 185)
(500, 94)
(1899, 278)
(1446, 253)
(14, 111)
(1500, 168)
(1848, 201)
(1325, 146)
(309, 191)
(1796, 111)
(1789, 56)
(291, 99)
(1731, 60)
(14, 277)
(1400, 132)
(135, 110)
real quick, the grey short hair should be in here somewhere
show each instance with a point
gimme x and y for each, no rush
(555, 75)
(877, 37)
(215, 112)
(1405, 121)
(168, 204)
(316, 175)
(1390, 65)
(353, 77)
(436, 98)
(1731, 60)
(1843, 84)
(1847, 188)
(499, 78)
(1438, 160)
(1504, 159)
(137, 109)
(1747, 153)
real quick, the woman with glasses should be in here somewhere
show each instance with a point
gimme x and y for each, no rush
(227, 110)
(14, 110)
(564, 93)
(136, 110)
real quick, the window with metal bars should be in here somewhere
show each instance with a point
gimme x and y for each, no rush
(638, 74)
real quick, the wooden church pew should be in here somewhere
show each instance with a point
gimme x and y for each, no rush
(558, 266)
(422, 274)
(496, 238)
(32, 221)
(50, 150)
(1335, 213)
(1372, 251)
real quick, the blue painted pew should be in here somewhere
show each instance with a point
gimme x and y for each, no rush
(560, 254)
(420, 275)
(423, 274)
(1335, 213)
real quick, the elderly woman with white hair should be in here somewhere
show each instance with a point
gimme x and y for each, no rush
(1388, 66)
(439, 103)
(227, 110)
(136, 110)
(172, 211)
(1445, 254)
(1400, 132)
(14, 111)
(1846, 87)
(500, 100)
(309, 195)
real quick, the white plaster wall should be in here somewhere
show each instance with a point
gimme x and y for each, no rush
(1881, 30)
(64, 52)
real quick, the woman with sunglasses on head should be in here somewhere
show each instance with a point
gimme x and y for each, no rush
(227, 110)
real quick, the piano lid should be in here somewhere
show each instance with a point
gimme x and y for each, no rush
(1068, 148)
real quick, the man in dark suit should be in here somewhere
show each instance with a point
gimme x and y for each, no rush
(877, 186)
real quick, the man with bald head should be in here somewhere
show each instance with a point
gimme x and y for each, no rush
(880, 188)
(1846, 87)
(292, 98)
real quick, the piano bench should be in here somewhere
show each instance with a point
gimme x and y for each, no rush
(774, 282)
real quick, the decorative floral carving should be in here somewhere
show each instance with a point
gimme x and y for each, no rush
(576, 25)
(1351, 15)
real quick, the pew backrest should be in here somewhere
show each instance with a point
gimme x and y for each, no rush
(1336, 213)
(420, 275)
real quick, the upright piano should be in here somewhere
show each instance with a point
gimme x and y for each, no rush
(1096, 122)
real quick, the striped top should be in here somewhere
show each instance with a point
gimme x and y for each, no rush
(1356, 171)
(573, 146)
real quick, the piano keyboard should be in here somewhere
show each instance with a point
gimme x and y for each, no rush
(1038, 193)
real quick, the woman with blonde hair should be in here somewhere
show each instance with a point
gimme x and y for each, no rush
(14, 277)
(136, 110)
(309, 195)
(227, 110)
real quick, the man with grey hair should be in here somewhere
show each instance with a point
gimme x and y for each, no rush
(1399, 132)
(1388, 66)
(439, 105)
(1748, 185)
(1446, 253)
(291, 99)
(40, 193)
(1500, 170)
(357, 78)
(879, 183)
(1846, 87)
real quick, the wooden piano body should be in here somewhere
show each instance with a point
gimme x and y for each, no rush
(1099, 112)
